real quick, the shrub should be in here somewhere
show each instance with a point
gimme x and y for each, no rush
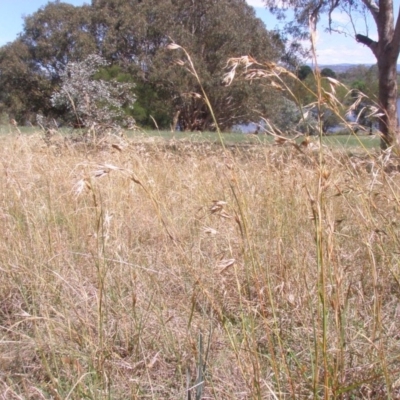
(93, 103)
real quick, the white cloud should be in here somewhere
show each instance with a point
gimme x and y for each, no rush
(340, 18)
(332, 48)
(256, 3)
(356, 54)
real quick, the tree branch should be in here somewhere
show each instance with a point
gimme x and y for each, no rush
(373, 8)
(334, 4)
(368, 42)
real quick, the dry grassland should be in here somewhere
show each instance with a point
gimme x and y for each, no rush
(153, 271)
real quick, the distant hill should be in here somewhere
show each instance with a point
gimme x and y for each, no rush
(340, 68)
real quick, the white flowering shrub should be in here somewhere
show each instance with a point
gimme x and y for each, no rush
(94, 103)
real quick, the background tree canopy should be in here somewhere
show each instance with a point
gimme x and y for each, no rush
(133, 37)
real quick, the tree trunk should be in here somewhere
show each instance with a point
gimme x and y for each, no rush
(175, 120)
(388, 123)
(386, 51)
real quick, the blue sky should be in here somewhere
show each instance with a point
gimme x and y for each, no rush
(332, 48)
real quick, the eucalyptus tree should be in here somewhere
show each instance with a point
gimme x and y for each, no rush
(127, 35)
(211, 32)
(24, 90)
(57, 34)
(30, 67)
(385, 49)
(137, 33)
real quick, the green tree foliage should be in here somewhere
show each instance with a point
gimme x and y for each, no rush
(359, 85)
(211, 32)
(134, 36)
(148, 103)
(305, 92)
(57, 34)
(24, 88)
(328, 73)
(30, 67)
(303, 72)
(363, 79)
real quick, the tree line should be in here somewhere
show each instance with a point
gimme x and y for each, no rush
(132, 36)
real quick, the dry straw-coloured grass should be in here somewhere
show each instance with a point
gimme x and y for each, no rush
(114, 260)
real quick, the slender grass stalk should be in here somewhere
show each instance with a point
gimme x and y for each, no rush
(192, 70)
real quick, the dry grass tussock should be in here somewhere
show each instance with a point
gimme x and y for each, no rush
(141, 270)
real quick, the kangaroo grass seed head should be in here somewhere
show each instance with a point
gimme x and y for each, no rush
(173, 46)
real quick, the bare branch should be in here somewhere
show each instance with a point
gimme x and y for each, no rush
(351, 18)
(373, 8)
(334, 4)
(342, 32)
(368, 42)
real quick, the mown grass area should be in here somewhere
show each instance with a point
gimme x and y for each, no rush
(352, 141)
(342, 141)
(148, 269)
(336, 141)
